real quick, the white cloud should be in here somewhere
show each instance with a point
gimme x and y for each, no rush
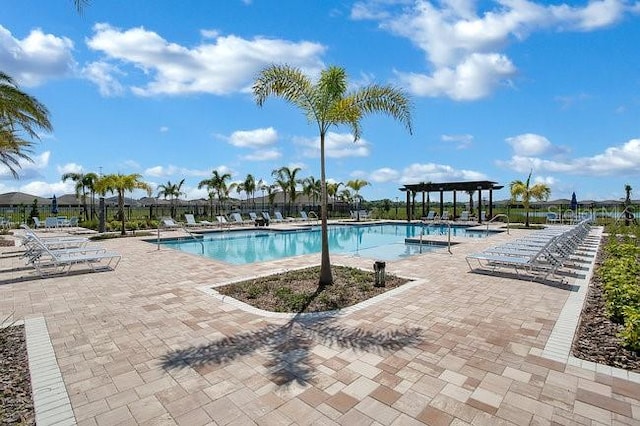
(46, 189)
(69, 168)
(263, 155)
(461, 141)
(253, 138)
(432, 172)
(162, 171)
(103, 74)
(623, 160)
(27, 169)
(529, 144)
(164, 129)
(336, 145)
(464, 41)
(383, 175)
(220, 66)
(36, 58)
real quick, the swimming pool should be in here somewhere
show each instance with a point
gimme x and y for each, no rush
(380, 241)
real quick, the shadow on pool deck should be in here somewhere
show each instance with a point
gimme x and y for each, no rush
(290, 345)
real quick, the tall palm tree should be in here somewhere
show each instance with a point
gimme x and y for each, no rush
(90, 180)
(332, 191)
(312, 188)
(20, 115)
(216, 185)
(327, 103)
(120, 184)
(287, 176)
(357, 185)
(83, 183)
(280, 182)
(210, 185)
(222, 188)
(171, 191)
(239, 188)
(519, 189)
(272, 191)
(250, 187)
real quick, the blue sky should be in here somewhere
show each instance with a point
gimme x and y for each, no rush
(499, 88)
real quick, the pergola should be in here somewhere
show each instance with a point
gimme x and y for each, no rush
(441, 188)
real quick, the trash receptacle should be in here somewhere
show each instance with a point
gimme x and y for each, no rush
(379, 270)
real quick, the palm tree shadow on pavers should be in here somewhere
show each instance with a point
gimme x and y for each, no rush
(289, 346)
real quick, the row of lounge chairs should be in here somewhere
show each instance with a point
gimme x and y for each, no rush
(236, 219)
(55, 222)
(56, 255)
(465, 216)
(540, 254)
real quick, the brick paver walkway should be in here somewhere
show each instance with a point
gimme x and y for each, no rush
(146, 345)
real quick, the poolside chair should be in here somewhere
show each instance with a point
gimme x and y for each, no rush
(303, 215)
(37, 222)
(191, 221)
(465, 216)
(50, 262)
(432, 215)
(445, 215)
(169, 223)
(222, 221)
(51, 222)
(237, 219)
(279, 217)
(73, 222)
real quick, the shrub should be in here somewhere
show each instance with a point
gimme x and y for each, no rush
(631, 333)
(620, 274)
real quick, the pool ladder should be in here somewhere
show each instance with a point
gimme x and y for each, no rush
(428, 225)
(189, 233)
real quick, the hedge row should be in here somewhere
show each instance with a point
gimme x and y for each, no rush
(620, 274)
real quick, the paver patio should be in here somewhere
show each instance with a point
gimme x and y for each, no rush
(144, 344)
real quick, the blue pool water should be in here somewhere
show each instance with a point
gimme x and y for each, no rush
(382, 242)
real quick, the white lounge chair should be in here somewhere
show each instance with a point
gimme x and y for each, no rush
(50, 262)
(237, 219)
(465, 216)
(58, 255)
(37, 222)
(169, 223)
(304, 215)
(431, 216)
(279, 217)
(222, 221)
(191, 221)
(51, 222)
(445, 215)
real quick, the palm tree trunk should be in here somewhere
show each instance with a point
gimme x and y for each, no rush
(121, 212)
(326, 277)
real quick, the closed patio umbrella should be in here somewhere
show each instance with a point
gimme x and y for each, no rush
(54, 205)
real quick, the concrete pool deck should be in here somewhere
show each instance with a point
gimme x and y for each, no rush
(145, 345)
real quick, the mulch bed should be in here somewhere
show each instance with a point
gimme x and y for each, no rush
(298, 291)
(16, 402)
(596, 339)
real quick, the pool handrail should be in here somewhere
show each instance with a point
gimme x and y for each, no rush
(185, 230)
(497, 216)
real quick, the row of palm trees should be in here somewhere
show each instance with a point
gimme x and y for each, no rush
(285, 180)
